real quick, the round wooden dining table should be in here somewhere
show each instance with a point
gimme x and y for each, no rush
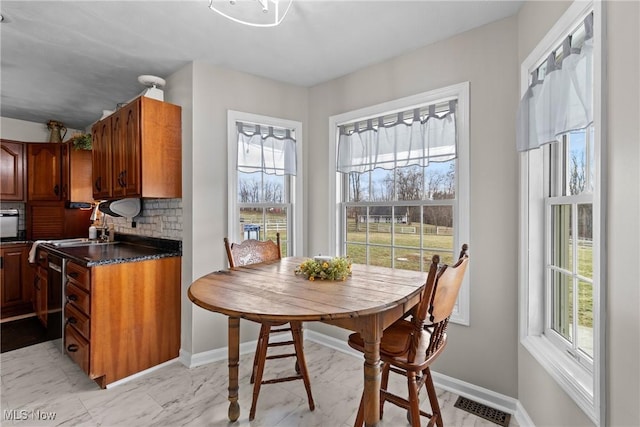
(368, 301)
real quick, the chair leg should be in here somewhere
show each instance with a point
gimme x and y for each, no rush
(261, 356)
(255, 357)
(414, 400)
(296, 332)
(433, 399)
(384, 384)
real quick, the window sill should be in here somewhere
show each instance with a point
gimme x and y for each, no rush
(572, 377)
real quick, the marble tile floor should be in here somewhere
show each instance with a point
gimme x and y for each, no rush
(39, 382)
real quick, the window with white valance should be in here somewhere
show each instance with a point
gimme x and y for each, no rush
(400, 181)
(265, 149)
(265, 179)
(559, 99)
(560, 137)
(408, 138)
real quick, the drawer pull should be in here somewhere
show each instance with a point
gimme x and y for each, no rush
(72, 348)
(72, 320)
(73, 275)
(72, 297)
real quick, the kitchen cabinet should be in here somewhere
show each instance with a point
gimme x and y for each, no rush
(40, 287)
(101, 159)
(137, 152)
(44, 170)
(12, 161)
(116, 326)
(57, 174)
(17, 280)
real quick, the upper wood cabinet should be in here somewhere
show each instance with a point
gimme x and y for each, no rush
(44, 166)
(101, 159)
(137, 151)
(12, 160)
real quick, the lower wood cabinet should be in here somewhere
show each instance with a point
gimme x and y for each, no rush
(122, 318)
(17, 280)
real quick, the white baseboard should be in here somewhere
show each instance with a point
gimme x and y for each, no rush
(482, 395)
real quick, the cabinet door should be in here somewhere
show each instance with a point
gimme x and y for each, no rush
(45, 220)
(126, 151)
(44, 169)
(11, 265)
(12, 171)
(101, 159)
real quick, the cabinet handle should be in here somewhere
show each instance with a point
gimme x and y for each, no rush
(73, 274)
(1, 262)
(72, 348)
(121, 179)
(72, 320)
(72, 297)
(56, 190)
(98, 183)
(124, 178)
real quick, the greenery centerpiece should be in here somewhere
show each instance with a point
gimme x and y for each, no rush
(325, 268)
(82, 142)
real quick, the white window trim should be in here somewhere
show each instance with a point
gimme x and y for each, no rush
(586, 389)
(459, 91)
(297, 243)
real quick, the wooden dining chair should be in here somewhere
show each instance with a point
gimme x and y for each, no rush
(409, 347)
(253, 251)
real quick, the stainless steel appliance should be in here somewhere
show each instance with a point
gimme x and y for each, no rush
(8, 224)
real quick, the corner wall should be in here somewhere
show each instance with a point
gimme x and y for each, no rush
(485, 353)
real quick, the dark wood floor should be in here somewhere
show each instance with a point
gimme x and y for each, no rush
(21, 333)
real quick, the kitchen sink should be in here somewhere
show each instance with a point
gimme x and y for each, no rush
(82, 241)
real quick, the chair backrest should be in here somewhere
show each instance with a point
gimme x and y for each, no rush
(252, 251)
(438, 300)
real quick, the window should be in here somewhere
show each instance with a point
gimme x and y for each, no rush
(401, 186)
(265, 179)
(561, 206)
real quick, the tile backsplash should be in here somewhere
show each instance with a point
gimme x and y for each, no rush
(158, 218)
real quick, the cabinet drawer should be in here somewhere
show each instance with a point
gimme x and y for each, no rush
(77, 319)
(76, 347)
(78, 275)
(79, 298)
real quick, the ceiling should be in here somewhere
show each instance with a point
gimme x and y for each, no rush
(68, 61)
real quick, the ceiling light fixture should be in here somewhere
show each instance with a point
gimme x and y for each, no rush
(268, 13)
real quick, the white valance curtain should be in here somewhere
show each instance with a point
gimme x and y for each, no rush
(378, 143)
(560, 97)
(266, 149)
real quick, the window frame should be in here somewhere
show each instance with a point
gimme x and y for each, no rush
(459, 91)
(295, 216)
(585, 387)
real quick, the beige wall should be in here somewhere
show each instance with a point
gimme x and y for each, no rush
(545, 402)
(214, 91)
(485, 353)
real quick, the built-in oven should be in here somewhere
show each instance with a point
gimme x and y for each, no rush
(56, 275)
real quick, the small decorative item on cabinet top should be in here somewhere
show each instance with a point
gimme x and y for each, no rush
(325, 268)
(58, 131)
(82, 141)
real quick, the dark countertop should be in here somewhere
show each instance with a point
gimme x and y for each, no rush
(127, 248)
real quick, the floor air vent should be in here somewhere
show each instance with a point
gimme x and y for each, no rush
(483, 411)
